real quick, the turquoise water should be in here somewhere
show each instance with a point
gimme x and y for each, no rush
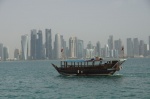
(39, 80)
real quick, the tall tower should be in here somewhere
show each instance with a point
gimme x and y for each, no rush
(107, 50)
(24, 44)
(149, 45)
(63, 46)
(110, 42)
(1, 51)
(89, 45)
(116, 48)
(136, 47)
(48, 43)
(129, 47)
(73, 47)
(57, 47)
(141, 48)
(111, 46)
(5, 53)
(33, 44)
(98, 49)
(39, 47)
(80, 49)
(16, 54)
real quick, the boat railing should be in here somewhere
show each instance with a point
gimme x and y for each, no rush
(66, 64)
(73, 64)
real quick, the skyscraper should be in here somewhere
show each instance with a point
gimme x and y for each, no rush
(145, 50)
(33, 44)
(136, 47)
(80, 49)
(16, 54)
(110, 42)
(57, 47)
(117, 48)
(48, 43)
(98, 49)
(1, 51)
(107, 53)
(73, 47)
(149, 45)
(90, 53)
(63, 46)
(91, 50)
(141, 48)
(129, 47)
(89, 45)
(39, 45)
(5, 53)
(24, 44)
(111, 46)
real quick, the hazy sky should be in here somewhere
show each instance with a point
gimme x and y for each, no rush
(90, 20)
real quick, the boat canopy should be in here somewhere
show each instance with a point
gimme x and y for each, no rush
(90, 60)
(74, 60)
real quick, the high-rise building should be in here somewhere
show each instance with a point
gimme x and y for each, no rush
(141, 48)
(48, 43)
(57, 47)
(16, 54)
(110, 42)
(107, 51)
(129, 47)
(149, 45)
(63, 46)
(5, 53)
(1, 51)
(73, 47)
(117, 48)
(33, 44)
(90, 53)
(136, 47)
(111, 46)
(39, 46)
(24, 44)
(102, 52)
(145, 50)
(89, 45)
(98, 49)
(80, 49)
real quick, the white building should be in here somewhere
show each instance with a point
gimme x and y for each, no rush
(90, 53)
(57, 46)
(5, 53)
(24, 44)
(73, 47)
(107, 53)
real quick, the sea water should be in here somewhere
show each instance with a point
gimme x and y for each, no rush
(39, 80)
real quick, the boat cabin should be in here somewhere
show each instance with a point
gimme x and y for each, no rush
(86, 63)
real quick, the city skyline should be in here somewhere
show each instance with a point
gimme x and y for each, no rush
(87, 19)
(35, 48)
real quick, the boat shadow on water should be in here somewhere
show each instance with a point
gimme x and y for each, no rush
(106, 80)
(91, 77)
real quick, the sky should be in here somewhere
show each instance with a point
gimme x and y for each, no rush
(89, 20)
